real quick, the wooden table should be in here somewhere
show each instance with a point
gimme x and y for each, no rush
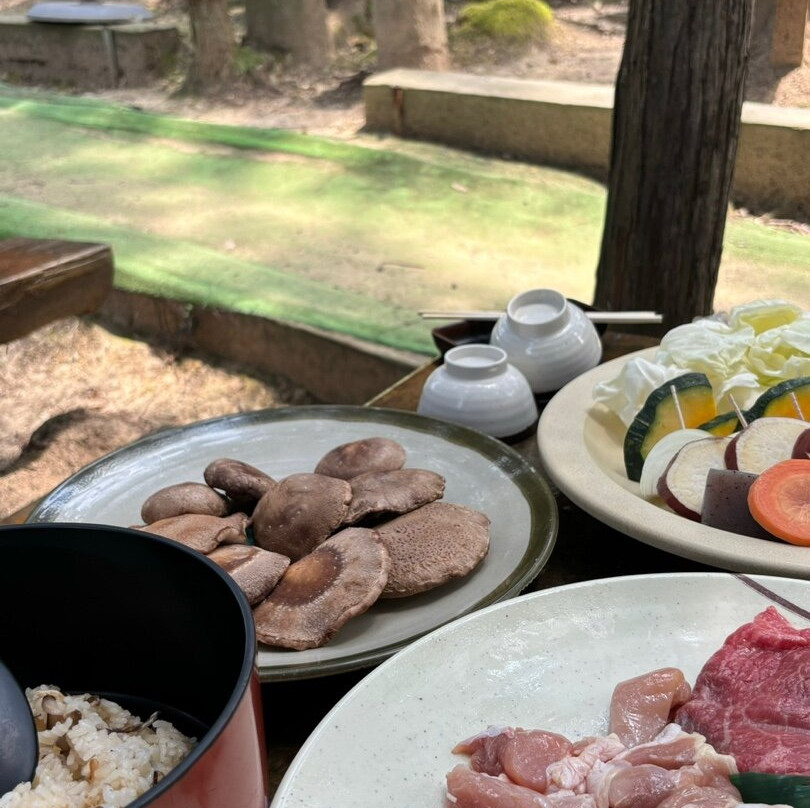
(47, 279)
(585, 549)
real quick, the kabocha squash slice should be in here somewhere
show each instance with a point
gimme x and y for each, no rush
(782, 399)
(723, 425)
(662, 413)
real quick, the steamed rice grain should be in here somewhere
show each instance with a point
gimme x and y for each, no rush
(93, 753)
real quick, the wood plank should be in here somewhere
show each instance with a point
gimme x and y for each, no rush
(42, 280)
(787, 38)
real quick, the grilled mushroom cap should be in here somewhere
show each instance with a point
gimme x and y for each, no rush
(296, 515)
(369, 454)
(241, 482)
(200, 531)
(319, 593)
(432, 545)
(398, 491)
(255, 571)
(181, 498)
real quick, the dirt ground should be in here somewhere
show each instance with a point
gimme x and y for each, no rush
(74, 391)
(585, 45)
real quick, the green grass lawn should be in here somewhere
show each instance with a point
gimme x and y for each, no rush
(351, 237)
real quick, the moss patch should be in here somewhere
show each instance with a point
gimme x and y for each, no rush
(342, 236)
(506, 21)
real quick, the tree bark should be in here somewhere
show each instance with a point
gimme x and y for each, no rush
(676, 123)
(298, 27)
(212, 42)
(410, 34)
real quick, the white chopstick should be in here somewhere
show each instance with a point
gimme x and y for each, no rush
(620, 317)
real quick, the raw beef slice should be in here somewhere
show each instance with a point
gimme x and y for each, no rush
(752, 698)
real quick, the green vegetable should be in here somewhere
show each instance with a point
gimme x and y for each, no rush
(773, 789)
(779, 400)
(660, 415)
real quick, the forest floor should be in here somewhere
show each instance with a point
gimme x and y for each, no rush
(88, 391)
(584, 45)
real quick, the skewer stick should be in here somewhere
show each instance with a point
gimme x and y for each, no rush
(677, 405)
(743, 420)
(616, 317)
(798, 407)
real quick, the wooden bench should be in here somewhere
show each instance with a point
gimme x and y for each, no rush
(42, 280)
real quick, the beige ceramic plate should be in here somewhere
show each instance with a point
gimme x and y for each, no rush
(547, 660)
(480, 471)
(581, 449)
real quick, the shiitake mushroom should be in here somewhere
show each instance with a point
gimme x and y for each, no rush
(319, 593)
(242, 483)
(333, 576)
(175, 500)
(303, 510)
(432, 545)
(201, 532)
(392, 492)
(255, 571)
(360, 456)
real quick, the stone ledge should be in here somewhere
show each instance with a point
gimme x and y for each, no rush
(86, 56)
(334, 368)
(568, 125)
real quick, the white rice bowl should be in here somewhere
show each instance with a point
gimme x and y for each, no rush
(93, 753)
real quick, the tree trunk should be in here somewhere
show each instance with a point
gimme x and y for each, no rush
(676, 123)
(213, 44)
(298, 27)
(411, 34)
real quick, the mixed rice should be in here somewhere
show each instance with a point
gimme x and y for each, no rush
(93, 753)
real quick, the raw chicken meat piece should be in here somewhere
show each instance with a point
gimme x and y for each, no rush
(523, 755)
(596, 772)
(470, 789)
(672, 748)
(571, 772)
(751, 699)
(641, 786)
(701, 797)
(641, 707)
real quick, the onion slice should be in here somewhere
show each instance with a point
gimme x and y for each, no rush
(656, 462)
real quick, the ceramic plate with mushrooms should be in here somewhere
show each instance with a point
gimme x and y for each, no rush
(324, 548)
(270, 446)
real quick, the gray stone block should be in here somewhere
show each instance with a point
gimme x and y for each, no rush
(568, 124)
(85, 56)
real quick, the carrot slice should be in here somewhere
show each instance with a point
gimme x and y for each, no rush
(779, 499)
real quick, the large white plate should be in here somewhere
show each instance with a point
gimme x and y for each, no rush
(580, 445)
(481, 472)
(548, 660)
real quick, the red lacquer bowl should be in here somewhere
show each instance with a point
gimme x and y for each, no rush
(151, 625)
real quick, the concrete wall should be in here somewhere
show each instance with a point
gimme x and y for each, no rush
(86, 56)
(318, 361)
(567, 124)
(773, 160)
